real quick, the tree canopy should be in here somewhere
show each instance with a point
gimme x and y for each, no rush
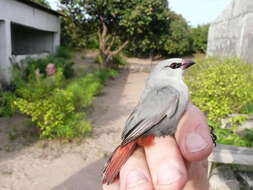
(138, 26)
(199, 37)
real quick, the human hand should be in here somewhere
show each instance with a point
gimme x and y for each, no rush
(173, 163)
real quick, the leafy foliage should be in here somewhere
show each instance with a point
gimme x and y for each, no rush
(74, 33)
(220, 87)
(54, 115)
(54, 103)
(6, 104)
(177, 41)
(143, 26)
(28, 67)
(116, 61)
(199, 37)
(166, 34)
(42, 2)
(64, 52)
(86, 88)
(140, 27)
(230, 135)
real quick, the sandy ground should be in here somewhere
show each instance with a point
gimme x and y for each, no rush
(27, 163)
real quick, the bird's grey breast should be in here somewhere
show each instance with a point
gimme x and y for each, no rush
(168, 125)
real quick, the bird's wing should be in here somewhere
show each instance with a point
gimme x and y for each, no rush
(154, 106)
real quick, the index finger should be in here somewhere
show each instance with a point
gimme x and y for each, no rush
(193, 135)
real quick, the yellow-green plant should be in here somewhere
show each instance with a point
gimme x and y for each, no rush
(6, 104)
(220, 87)
(86, 88)
(54, 115)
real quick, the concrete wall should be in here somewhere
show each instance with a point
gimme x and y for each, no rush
(5, 50)
(43, 24)
(24, 14)
(231, 34)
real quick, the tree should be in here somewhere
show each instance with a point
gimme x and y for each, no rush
(199, 37)
(42, 2)
(117, 22)
(177, 41)
(167, 37)
(73, 32)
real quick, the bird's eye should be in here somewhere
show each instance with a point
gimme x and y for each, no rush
(175, 65)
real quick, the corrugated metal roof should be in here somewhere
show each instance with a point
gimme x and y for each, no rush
(39, 6)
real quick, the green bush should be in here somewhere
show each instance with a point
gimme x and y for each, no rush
(99, 60)
(27, 68)
(64, 52)
(86, 88)
(116, 61)
(220, 87)
(7, 107)
(53, 106)
(39, 89)
(105, 74)
(54, 115)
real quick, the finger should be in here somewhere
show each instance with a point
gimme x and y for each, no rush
(114, 186)
(166, 164)
(193, 135)
(134, 175)
(197, 176)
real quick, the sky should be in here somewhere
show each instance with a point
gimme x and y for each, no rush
(199, 11)
(194, 11)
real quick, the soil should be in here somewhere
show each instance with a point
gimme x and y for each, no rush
(29, 163)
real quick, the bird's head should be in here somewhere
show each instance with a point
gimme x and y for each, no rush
(168, 71)
(173, 67)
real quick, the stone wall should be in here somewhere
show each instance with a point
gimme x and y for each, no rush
(231, 34)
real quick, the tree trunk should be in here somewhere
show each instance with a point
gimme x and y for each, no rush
(106, 42)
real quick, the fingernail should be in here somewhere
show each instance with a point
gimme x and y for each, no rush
(135, 178)
(194, 142)
(168, 174)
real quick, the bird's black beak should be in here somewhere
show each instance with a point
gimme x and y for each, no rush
(187, 63)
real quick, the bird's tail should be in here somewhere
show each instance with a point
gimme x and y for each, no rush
(116, 161)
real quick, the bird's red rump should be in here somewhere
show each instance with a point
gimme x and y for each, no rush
(145, 141)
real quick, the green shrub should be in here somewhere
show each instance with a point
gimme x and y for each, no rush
(54, 115)
(118, 60)
(53, 102)
(105, 74)
(86, 88)
(99, 60)
(27, 68)
(64, 52)
(7, 107)
(220, 87)
(38, 89)
(92, 42)
(51, 107)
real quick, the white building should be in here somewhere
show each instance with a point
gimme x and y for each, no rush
(26, 28)
(231, 34)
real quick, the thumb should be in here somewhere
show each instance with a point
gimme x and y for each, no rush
(193, 135)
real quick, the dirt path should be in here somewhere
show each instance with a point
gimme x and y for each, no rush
(43, 165)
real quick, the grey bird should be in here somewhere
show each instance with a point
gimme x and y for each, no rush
(161, 105)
